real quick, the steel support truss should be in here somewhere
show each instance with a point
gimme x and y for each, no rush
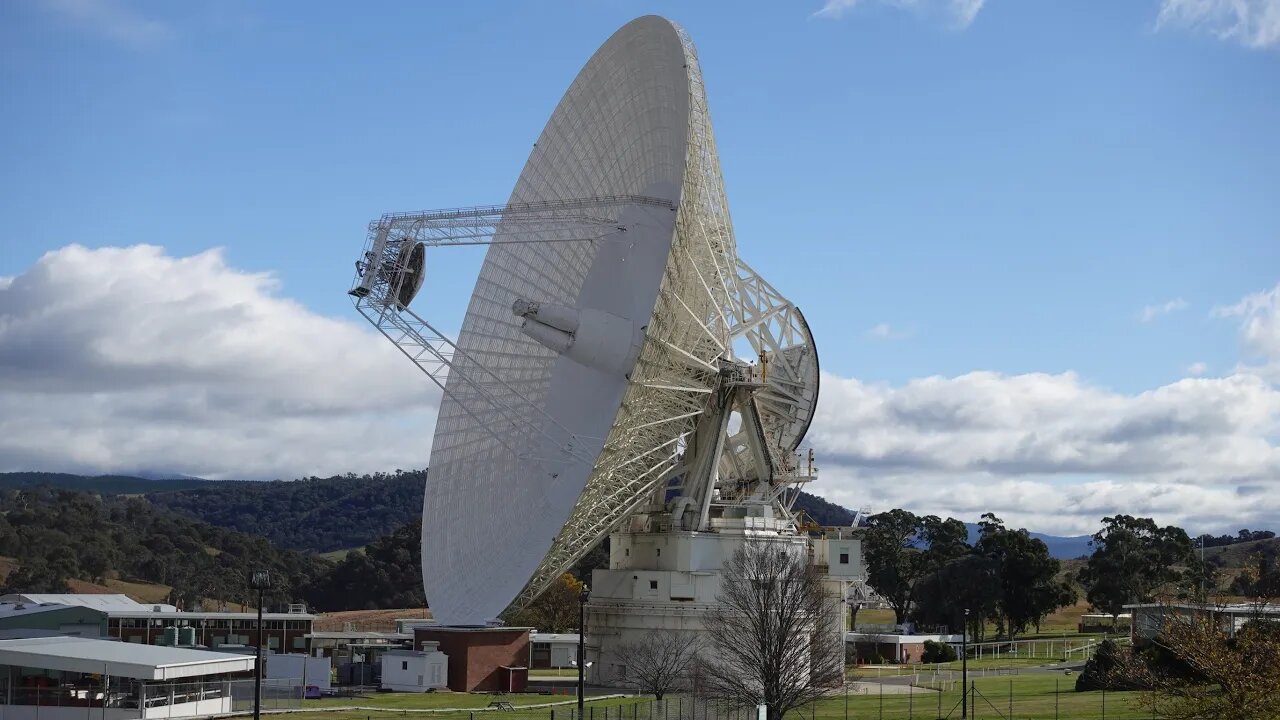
(383, 268)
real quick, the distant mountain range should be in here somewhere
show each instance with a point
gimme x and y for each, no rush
(347, 511)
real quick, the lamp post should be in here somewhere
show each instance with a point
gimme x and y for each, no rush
(964, 667)
(582, 650)
(260, 580)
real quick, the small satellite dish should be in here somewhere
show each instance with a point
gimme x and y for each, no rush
(616, 357)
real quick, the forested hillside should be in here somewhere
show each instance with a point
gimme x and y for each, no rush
(315, 514)
(55, 535)
(386, 574)
(827, 514)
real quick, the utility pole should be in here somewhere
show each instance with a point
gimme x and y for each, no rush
(582, 651)
(964, 668)
(260, 581)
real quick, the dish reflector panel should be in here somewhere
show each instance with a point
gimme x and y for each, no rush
(495, 513)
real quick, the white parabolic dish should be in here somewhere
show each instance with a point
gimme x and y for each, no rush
(597, 427)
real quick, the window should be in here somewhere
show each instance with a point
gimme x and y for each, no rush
(659, 552)
(627, 551)
(653, 584)
(844, 558)
(404, 665)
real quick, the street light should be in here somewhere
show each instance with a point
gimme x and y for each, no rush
(964, 667)
(582, 650)
(260, 580)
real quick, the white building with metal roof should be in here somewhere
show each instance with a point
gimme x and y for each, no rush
(66, 678)
(106, 602)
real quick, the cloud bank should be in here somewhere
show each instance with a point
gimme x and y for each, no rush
(120, 359)
(1055, 453)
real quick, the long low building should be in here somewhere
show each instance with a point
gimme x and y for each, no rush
(71, 678)
(136, 622)
(1147, 619)
(54, 617)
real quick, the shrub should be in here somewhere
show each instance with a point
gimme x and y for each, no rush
(936, 652)
(1110, 668)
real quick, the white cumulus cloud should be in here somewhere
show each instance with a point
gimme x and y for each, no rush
(1151, 312)
(1252, 23)
(119, 359)
(960, 12)
(1259, 315)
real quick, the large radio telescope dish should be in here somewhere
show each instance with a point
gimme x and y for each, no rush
(609, 303)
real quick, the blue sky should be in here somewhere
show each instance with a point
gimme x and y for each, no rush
(943, 186)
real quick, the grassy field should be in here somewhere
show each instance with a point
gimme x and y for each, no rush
(339, 555)
(1039, 696)
(1062, 621)
(401, 705)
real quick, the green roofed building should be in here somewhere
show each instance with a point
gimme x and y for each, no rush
(52, 617)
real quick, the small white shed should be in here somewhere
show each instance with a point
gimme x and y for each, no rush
(415, 670)
(299, 667)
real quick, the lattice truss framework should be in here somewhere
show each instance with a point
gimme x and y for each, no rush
(707, 299)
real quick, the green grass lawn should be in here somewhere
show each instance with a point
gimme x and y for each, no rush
(401, 705)
(1040, 696)
(553, 672)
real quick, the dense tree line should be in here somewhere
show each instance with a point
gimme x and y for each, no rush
(57, 535)
(928, 572)
(316, 514)
(1243, 536)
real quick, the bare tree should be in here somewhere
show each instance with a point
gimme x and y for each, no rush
(1221, 676)
(660, 662)
(773, 638)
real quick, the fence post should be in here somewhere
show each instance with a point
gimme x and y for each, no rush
(1104, 702)
(1010, 698)
(1055, 699)
(846, 700)
(881, 701)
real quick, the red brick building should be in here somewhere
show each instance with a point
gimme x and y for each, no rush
(488, 659)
